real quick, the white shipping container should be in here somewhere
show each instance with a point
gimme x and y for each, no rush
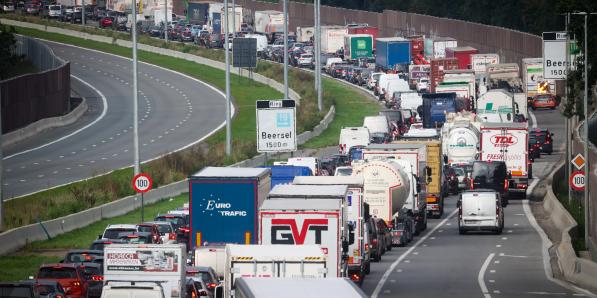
(480, 61)
(332, 38)
(263, 18)
(147, 262)
(440, 45)
(506, 142)
(304, 34)
(211, 256)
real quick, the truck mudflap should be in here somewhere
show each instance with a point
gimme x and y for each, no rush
(435, 205)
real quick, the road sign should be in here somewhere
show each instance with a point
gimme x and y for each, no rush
(244, 52)
(555, 63)
(578, 161)
(276, 125)
(142, 183)
(577, 180)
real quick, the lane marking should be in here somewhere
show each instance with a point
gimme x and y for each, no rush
(481, 275)
(392, 267)
(104, 111)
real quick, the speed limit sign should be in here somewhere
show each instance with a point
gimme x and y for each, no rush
(577, 180)
(142, 183)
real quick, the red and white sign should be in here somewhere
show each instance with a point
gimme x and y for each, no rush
(142, 183)
(507, 144)
(577, 180)
(505, 140)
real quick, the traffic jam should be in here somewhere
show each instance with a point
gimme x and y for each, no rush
(454, 121)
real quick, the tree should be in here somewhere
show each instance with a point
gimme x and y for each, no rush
(7, 56)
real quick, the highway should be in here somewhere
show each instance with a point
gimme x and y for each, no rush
(175, 111)
(443, 263)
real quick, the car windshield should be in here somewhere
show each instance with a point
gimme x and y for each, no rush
(175, 221)
(78, 257)
(459, 171)
(57, 273)
(54, 7)
(147, 229)
(89, 270)
(343, 171)
(115, 233)
(136, 239)
(543, 97)
(540, 137)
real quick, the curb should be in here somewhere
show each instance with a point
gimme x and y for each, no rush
(41, 125)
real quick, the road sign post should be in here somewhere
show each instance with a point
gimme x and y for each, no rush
(555, 59)
(276, 126)
(142, 183)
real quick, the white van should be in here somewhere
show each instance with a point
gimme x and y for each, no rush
(309, 162)
(330, 61)
(377, 124)
(261, 41)
(480, 210)
(353, 136)
(382, 83)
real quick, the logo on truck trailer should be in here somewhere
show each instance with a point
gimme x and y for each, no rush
(285, 231)
(506, 140)
(215, 206)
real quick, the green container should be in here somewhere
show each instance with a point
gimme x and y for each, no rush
(358, 46)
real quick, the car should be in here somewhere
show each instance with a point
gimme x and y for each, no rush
(214, 41)
(545, 138)
(187, 36)
(70, 276)
(372, 81)
(101, 243)
(534, 148)
(178, 221)
(32, 9)
(166, 231)
(367, 248)
(463, 172)
(479, 210)
(343, 171)
(305, 60)
(491, 175)
(395, 121)
(94, 274)
(77, 17)
(196, 288)
(544, 101)
(152, 229)
(106, 22)
(399, 234)
(376, 240)
(384, 231)
(55, 11)
(18, 289)
(139, 238)
(206, 274)
(156, 31)
(8, 7)
(114, 231)
(45, 288)
(423, 85)
(451, 178)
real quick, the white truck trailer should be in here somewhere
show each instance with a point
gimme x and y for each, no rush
(163, 263)
(496, 105)
(270, 261)
(358, 262)
(297, 288)
(508, 142)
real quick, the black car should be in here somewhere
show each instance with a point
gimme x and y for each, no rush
(375, 239)
(82, 256)
(18, 289)
(94, 274)
(451, 180)
(491, 175)
(44, 288)
(534, 148)
(156, 31)
(545, 138)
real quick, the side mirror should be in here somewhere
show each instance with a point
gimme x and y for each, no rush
(445, 159)
(418, 188)
(219, 292)
(99, 237)
(428, 171)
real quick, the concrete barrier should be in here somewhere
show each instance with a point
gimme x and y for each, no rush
(581, 272)
(39, 126)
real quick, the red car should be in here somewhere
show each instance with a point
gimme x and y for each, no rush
(107, 22)
(544, 101)
(70, 276)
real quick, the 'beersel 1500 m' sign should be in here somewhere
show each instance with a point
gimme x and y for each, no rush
(276, 125)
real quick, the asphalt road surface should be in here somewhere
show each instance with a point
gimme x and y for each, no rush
(174, 111)
(442, 263)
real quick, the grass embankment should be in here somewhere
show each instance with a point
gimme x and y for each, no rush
(351, 107)
(25, 263)
(574, 207)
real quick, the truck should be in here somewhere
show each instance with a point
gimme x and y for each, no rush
(496, 105)
(197, 13)
(533, 81)
(160, 263)
(304, 34)
(285, 174)
(300, 287)
(479, 62)
(353, 136)
(521, 105)
(332, 38)
(463, 76)
(508, 142)
(417, 48)
(386, 186)
(226, 197)
(504, 76)
(392, 52)
(462, 90)
(358, 46)
(365, 29)
(435, 107)
(418, 72)
(438, 68)
(266, 20)
(213, 256)
(463, 54)
(271, 261)
(413, 158)
(309, 214)
(460, 141)
(435, 48)
(358, 262)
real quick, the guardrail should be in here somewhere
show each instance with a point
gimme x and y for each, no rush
(32, 97)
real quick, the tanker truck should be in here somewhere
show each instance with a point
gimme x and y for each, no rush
(460, 138)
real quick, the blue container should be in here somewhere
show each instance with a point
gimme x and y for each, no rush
(435, 107)
(286, 174)
(391, 52)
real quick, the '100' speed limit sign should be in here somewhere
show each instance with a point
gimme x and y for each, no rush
(142, 183)
(577, 180)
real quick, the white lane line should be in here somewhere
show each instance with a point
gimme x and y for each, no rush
(533, 119)
(546, 243)
(105, 110)
(392, 267)
(481, 276)
(546, 293)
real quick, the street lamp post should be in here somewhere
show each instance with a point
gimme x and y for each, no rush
(285, 4)
(135, 91)
(227, 55)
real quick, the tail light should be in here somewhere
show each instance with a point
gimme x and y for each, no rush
(171, 236)
(366, 246)
(355, 277)
(203, 293)
(76, 283)
(472, 184)
(497, 209)
(547, 142)
(212, 285)
(374, 241)
(97, 278)
(506, 184)
(521, 186)
(185, 230)
(193, 295)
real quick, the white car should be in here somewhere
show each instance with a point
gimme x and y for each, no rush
(373, 80)
(166, 231)
(113, 232)
(305, 60)
(8, 7)
(423, 85)
(55, 11)
(480, 210)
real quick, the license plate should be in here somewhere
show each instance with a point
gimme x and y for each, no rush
(472, 222)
